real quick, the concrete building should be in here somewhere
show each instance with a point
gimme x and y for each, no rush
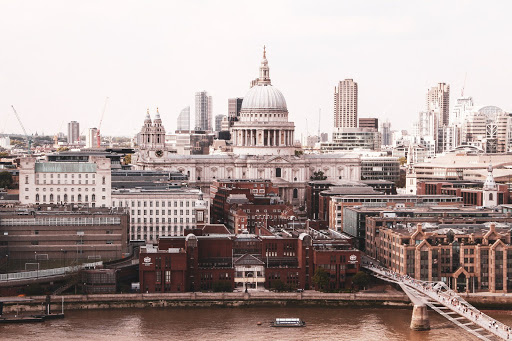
(489, 128)
(345, 104)
(234, 107)
(91, 139)
(353, 138)
(380, 168)
(438, 101)
(385, 130)
(218, 122)
(369, 122)
(468, 254)
(183, 121)
(203, 111)
(156, 213)
(57, 236)
(73, 132)
(80, 183)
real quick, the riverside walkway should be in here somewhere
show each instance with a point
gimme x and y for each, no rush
(440, 298)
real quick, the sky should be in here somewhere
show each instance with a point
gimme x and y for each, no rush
(59, 60)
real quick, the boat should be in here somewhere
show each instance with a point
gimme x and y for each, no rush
(288, 322)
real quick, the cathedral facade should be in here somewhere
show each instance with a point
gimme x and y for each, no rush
(263, 148)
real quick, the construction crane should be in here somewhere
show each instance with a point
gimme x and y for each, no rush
(98, 135)
(29, 139)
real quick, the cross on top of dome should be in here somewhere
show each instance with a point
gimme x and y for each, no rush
(264, 78)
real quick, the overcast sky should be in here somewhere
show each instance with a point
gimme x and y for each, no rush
(59, 60)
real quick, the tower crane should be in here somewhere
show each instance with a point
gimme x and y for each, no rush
(29, 139)
(98, 135)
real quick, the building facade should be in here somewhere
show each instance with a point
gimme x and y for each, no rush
(80, 183)
(203, 111)
(73, 132)
(183, 121)
(345, 104)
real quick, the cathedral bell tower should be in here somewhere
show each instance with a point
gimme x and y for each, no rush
(490, 190)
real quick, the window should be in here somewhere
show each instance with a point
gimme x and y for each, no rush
(26, 179)
(103, 181)
(295, 193)
(278, 172)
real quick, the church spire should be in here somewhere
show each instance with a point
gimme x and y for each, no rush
(489, 183)
(264, 78)
(148, 118)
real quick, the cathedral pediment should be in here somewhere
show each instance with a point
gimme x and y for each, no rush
(277, 159)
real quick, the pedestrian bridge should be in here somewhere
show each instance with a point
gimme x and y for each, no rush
(440, 298)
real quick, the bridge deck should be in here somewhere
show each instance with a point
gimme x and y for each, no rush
(439, 297)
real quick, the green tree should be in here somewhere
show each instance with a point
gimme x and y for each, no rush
(318, 176)
(321, 279)
(361, 280)
(5, 179)
(62, 149)
(402, 160)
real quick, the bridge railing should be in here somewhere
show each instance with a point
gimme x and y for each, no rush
(440, 292)
(16, 276)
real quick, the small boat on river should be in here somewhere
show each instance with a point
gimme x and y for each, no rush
(288, 322)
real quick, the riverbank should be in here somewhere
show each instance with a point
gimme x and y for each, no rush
(251, 299)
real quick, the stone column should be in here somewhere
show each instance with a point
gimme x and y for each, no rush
(268, 137)
(419, 320)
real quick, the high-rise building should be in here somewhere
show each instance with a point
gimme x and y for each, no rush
(203, 111)
(345, 104)
(234, 107)
(385, 130)
(438, 100)
(369, 122)
(218, 122)
(183, 122)
(91, 139)
(73, 132)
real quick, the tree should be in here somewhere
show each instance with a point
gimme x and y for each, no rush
(62, 149)
(127, 159)
(320, 279)
(5, 179)
(222, 286)
(361, 280)
(402, 160)
(318, 176)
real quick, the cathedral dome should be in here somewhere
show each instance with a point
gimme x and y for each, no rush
(264, 97)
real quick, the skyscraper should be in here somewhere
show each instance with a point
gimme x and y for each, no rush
(203, 111)
(438, 100)
(183, 122)
(345, 104)
(73, 132)
(234, 107)
(385, 130)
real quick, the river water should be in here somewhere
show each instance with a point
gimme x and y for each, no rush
(323, 323)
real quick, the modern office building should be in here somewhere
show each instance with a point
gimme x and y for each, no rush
(183, 121)
(387, 136)
(369, 122)
(380, 168)
(353, 138)
(345, 104)
(234, 107)
(218, 122)
(203, 111)
(73, 132)
(438, 100)
(91, 139)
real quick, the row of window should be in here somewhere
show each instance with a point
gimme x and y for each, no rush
(169, 220)
(154, 203)
(65, 189)
(57, 198)
(163, 212)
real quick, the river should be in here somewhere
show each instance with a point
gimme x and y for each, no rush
(239, 324)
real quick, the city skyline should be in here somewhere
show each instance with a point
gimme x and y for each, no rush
(148, 59)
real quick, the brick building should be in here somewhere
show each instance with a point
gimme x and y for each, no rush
(216, 258)
(468, 254)
(471, 192)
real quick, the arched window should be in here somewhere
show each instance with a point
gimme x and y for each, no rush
(491, 197)
(79, 197)
(295, 193)
(51, 197)
(26, 179)
(93, 197)
(37, 197)
(103, 180)
(65, 198)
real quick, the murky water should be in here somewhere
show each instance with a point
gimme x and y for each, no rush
(239, 324)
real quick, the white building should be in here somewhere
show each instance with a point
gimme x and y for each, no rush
(157, 213)
(91, 139)
(263, 148)
(85, 183)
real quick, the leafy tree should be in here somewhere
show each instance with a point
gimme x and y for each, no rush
(128, 159)
(320, 279)
(402, 160)
(318, 176)
(280, 286)
(361, 279)
(6, 180)
(299, 152)
(62, 149)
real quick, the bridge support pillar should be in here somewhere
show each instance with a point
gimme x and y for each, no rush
(419, 320)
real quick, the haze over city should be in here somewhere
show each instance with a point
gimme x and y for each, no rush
(60, 59)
